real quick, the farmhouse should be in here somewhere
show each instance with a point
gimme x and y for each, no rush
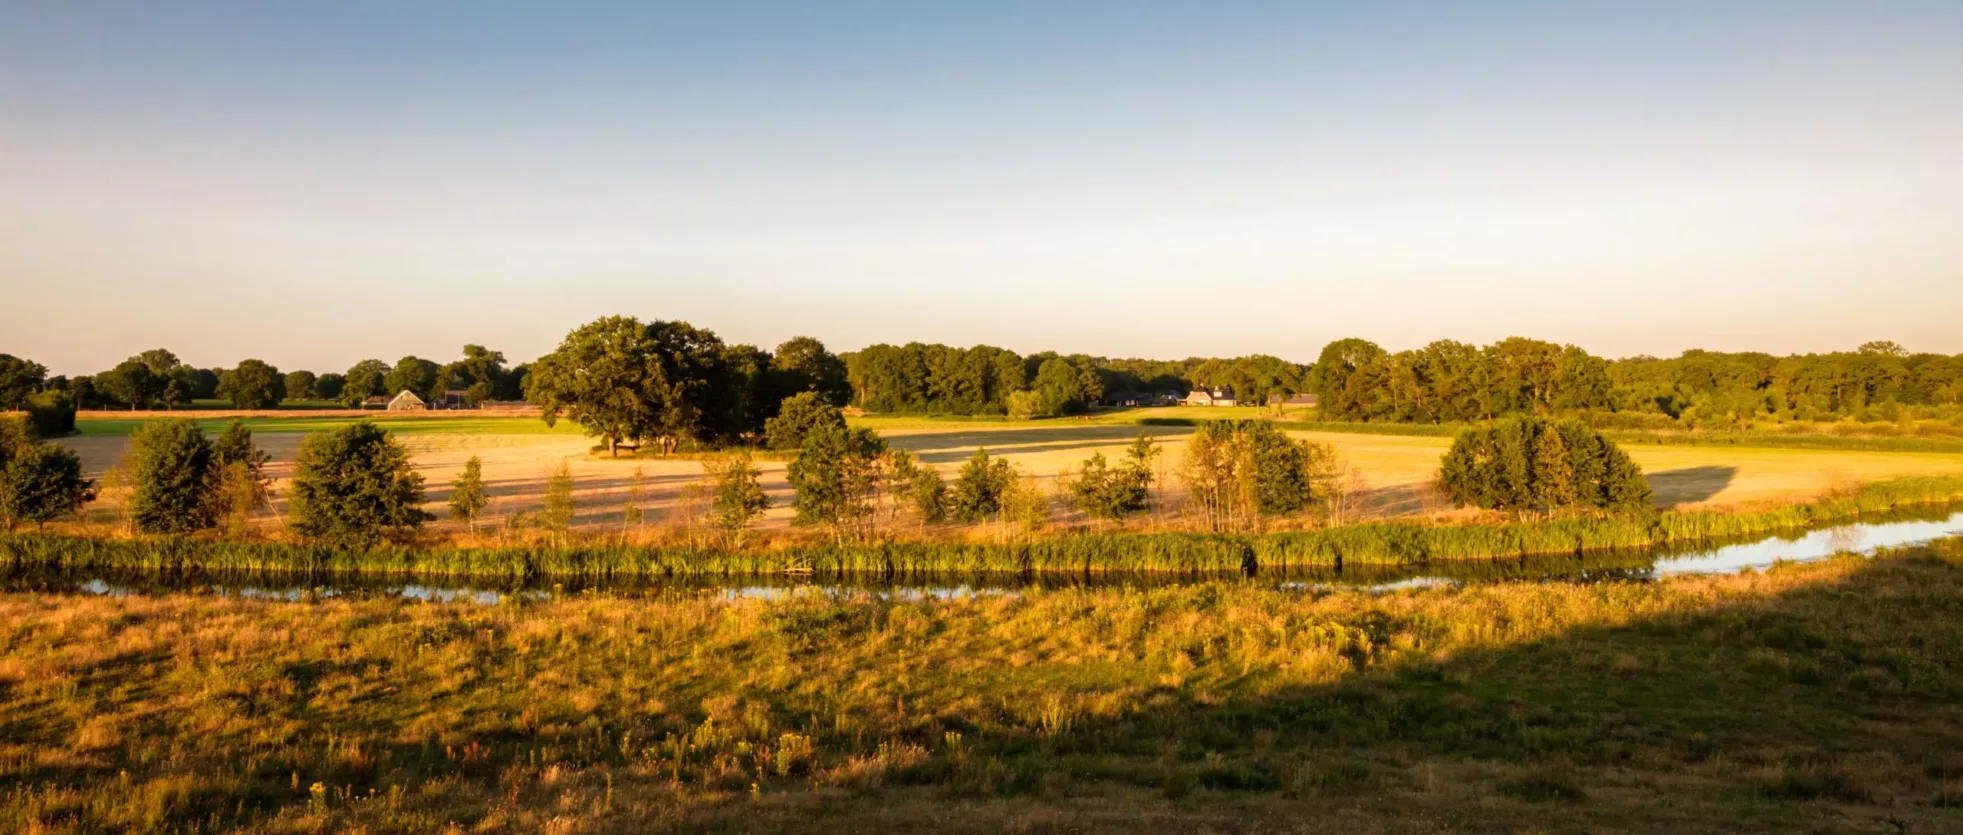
(407, 401)
(451, 399)
(376, 402)
(1215, 397)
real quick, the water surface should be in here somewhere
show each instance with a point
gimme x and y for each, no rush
(1863, 537)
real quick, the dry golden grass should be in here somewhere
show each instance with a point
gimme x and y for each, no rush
(1394, 472)
(1819, 698)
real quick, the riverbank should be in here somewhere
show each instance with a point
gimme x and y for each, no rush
(1818, 697)
(1375, 543)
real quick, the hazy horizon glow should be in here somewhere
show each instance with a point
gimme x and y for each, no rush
(317, 183)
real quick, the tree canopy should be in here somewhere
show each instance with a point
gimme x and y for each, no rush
(797, 417)
(413, 374)
(19, 380)
(625, 380)
(253, 385)
(1449, 381)
(804, 365)
(133, 384)
(328, 386)
(481, 375)
(367, 378)
(300, 385)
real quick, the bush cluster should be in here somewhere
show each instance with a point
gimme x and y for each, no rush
(354, 484)
(39, 481)
(1532, 463)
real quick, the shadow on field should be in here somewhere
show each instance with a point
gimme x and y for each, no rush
(955, 447)
(1401, 500)
(1689, 485)
(596, 501)
(585, 488)
(1831, 707)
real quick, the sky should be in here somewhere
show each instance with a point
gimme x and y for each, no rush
(314, 183)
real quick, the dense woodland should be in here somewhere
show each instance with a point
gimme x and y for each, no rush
(984, 380)
(1450, 381)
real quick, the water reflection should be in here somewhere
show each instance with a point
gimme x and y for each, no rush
(1862, 537)
(1813, 545)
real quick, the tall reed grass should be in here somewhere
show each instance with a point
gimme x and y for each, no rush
(1372, 543)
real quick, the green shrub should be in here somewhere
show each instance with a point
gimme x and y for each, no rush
(916, 486)
(739, 497)
(1102, 491)
(981, 487)
(354, 484)
(244, 485)
(836, 478)
(39, 481)
(16, 432)
(1238, 471)
(253, 385)
(800, 415)
(174, 474)
(467, 492)
(1531, 463)
(52, 413)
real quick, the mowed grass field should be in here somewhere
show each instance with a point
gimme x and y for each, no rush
(1393, 472)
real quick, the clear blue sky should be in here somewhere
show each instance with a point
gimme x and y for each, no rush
(314, 183)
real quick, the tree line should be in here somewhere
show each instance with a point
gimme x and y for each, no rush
(1449, 381)
(919, 378)
(679, 383)
(157, 379)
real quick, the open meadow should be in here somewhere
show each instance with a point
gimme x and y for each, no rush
(1393, 473)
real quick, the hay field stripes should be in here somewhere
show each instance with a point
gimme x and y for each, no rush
(1395, 471)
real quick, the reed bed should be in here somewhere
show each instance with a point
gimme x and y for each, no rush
(1374, 543)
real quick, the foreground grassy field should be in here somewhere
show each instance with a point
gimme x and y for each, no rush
(1821, 698)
